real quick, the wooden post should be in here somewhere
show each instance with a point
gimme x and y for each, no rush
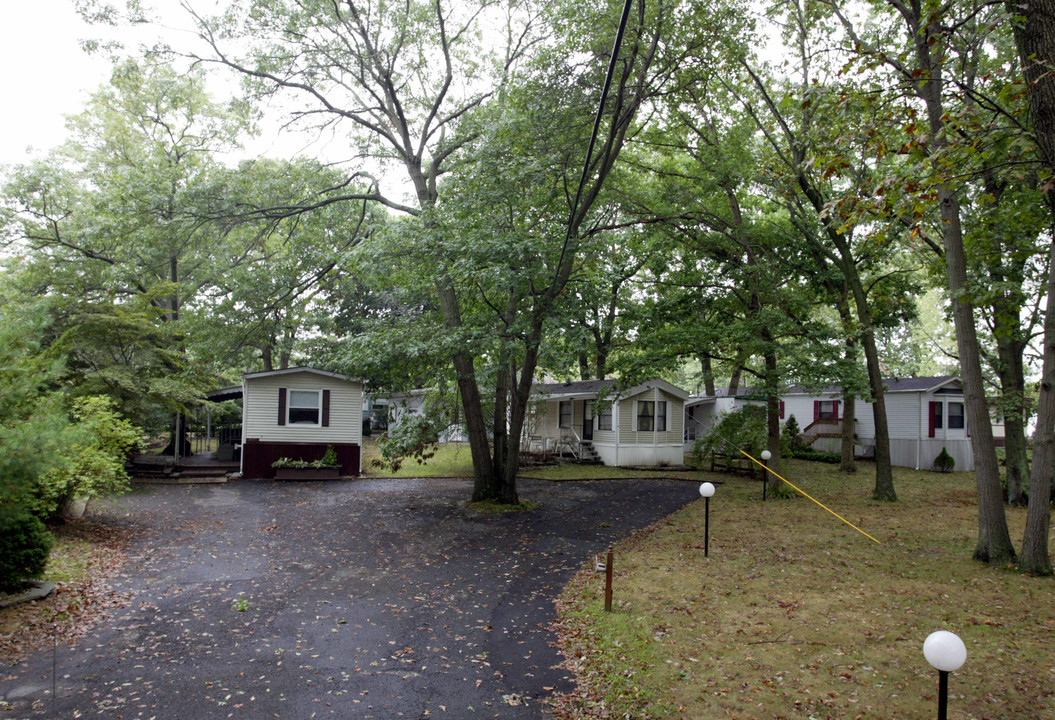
(608, 581)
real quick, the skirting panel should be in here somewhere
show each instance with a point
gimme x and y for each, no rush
(257, 456)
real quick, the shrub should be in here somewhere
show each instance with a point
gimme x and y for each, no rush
(744, 428)
(944, 462)
(94, 464)
(328, 460)
(792, 441)
(24, 547)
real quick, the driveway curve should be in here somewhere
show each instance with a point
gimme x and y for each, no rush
(352, 599)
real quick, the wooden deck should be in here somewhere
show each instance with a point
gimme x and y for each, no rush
(202, 468)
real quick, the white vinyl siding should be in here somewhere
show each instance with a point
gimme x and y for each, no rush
(261, 409)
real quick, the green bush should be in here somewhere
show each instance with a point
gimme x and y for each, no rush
(816, 456)
(944, 462)
(94, 464)
(791, 441)
(24, 547)
(744, 428)
(328, 460)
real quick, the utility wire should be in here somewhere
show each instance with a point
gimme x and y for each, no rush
(596, 124)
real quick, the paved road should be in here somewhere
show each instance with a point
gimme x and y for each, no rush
(362, 599)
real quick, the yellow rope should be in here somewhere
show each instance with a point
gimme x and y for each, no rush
(816, 501)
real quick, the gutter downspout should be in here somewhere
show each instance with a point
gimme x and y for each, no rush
(919, 428)
(241, 455)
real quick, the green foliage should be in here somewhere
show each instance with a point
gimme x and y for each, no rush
(740, 429)
(94, 464)
(34, 426)
(791, 440)
(414, 436)
(24, 547)
(328, 460)
(816, 456)
(944, 462)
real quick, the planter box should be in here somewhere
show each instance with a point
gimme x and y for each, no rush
(289, 473)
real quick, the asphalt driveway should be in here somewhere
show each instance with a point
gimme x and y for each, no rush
(352, 599)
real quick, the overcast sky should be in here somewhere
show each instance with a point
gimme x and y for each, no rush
(46, 74)
(49, 76)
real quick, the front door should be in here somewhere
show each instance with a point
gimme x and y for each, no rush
(587, 420)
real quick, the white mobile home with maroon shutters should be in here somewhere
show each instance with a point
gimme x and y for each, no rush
(297, 413)
(924, 415)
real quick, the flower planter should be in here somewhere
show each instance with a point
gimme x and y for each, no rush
(289, 473)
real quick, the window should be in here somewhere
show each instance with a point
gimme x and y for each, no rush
(304, 407)
(646, 415)
(828, 409)
(604, 417)
(956, 419)
(565, 414)
(661, 416)
(939, 411)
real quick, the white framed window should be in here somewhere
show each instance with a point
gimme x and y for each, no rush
(565, 414)
(956, 416)
(646, 415)
(661, 416)
(305, 407)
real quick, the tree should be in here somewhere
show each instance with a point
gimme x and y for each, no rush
(365, 65)
(1034, 28)
(920, 63)
(117, 230)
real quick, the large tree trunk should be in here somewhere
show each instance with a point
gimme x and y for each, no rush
(884, 485)
(1035, 37)
(1034, 557)
(847, 463)
(708, 375)
(1012, 386)
(994, 540)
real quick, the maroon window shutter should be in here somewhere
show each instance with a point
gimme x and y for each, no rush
(816, 410)
(325, 408)
(781, 409)
(835, 409)
(282, 406)
(931, 415)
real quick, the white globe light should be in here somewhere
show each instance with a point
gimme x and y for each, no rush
(945, 651)
(766, 455)
(707, 489)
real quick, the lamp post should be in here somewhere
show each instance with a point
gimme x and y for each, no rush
(945, 652)
(765, 473)
(706, 490)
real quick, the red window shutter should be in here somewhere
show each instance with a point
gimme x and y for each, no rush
(816, 410)
(835, 409)
(934, 409)
(781, 409)
(282, 406)
(325, 408)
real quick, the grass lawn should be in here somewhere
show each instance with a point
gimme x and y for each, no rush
(455, 460)
(796, 615)
(450, 460)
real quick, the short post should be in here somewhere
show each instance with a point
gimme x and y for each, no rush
(765, 472)
(945, 652)
(706, 490)
(608, 581)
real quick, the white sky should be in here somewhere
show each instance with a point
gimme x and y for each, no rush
(46, 74)
(49, 76)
